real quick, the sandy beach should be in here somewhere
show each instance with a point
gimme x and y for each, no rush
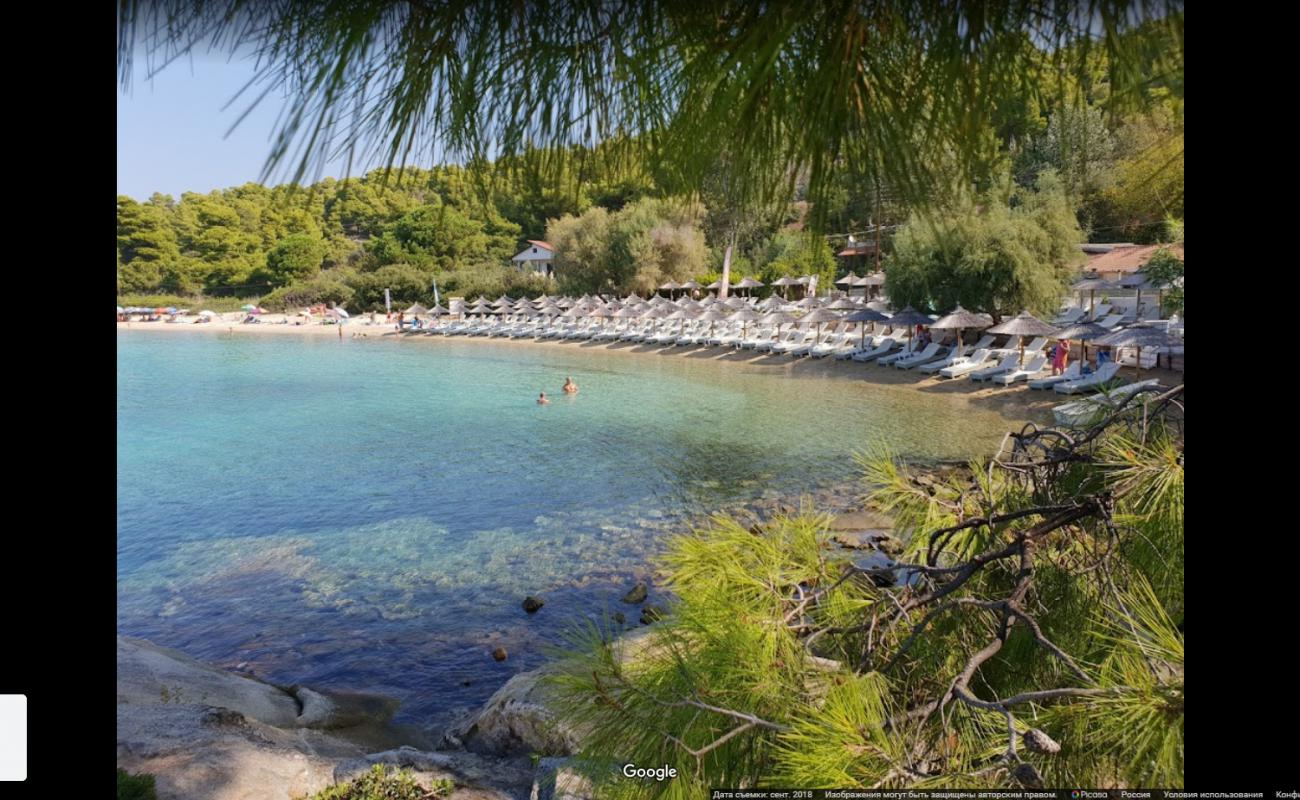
(1017, 402)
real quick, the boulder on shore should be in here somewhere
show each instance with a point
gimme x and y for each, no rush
(207, 733)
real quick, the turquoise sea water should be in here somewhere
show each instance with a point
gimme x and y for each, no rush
(369, 514)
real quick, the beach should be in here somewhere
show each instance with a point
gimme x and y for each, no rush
(1014, 402)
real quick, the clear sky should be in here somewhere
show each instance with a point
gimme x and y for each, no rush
(171, 130)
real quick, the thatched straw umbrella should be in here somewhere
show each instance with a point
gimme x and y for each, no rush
(820, 316)
(911, 318)
(865, 315)
(1091, 285)
(1082, 331)
(1139, 338)
(778, 317)
(959, 319)
(745, 316)
(749, 285)
(1022, 325)
(1137, 280)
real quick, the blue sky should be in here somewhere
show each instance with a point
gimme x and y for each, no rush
(171, 130)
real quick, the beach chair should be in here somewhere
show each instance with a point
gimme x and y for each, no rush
(909, 347)
(828, 345)
(1036, 346)
(1007, 364)
(884, 347)
(1089, 383)
(785, 341)
(793, 342)
(1112, 321)
(1022, 373)
(1071, 373)
(978, 360)
(954, 356)
(930, 353)
(1069, 317)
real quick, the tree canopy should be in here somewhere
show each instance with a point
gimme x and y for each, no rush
(990, 256)
(918, 93)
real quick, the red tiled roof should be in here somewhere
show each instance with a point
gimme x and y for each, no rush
(1129, 259)
(540, 243)
(857, 249)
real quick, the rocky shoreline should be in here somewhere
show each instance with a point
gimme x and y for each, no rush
(205, 732)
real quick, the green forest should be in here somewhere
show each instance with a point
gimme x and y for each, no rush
(623, 225)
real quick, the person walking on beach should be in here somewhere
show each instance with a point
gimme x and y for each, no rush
(1060, 356)
(340, 332)
(541, 399)
(569, 386)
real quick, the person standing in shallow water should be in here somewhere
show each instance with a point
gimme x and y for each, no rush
(541, 399)
(569, 386)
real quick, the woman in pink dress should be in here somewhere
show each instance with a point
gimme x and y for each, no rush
(1060, 356)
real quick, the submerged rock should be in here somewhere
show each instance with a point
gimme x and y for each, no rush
(531, 604)
(328, 709)
(500, 654)
(637, 594)
(651, 613)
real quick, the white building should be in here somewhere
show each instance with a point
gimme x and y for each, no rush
(537, 257)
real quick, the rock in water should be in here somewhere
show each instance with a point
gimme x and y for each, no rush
(531, 604)
(500, 654)
(619, 617)
(884, 579)
(650, 614)
(637, 594)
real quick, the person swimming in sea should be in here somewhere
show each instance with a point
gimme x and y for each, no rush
(569, 386)
(541, 399)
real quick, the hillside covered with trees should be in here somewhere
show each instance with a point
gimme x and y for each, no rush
(622, 221)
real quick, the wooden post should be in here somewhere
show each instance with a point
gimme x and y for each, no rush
(877, 224)
(726, 268)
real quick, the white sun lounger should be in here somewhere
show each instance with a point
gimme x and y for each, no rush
(876, 352)
(954, 356)
(1071, 373)
(930, 353)
(909, 347)
(1071, 315)
(1089, 383)
(827, 346)
(1007, 364)
(1091, 410)
(1112, 321)
(977, 360)
(1021, 374)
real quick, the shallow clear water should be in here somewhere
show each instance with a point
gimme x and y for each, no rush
(369, 514)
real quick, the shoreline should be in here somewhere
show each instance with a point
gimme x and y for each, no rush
(1017, 403)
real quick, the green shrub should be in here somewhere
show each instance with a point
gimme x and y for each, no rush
(194, 303)
(380, 784)
(135, 787)
(323, 289)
